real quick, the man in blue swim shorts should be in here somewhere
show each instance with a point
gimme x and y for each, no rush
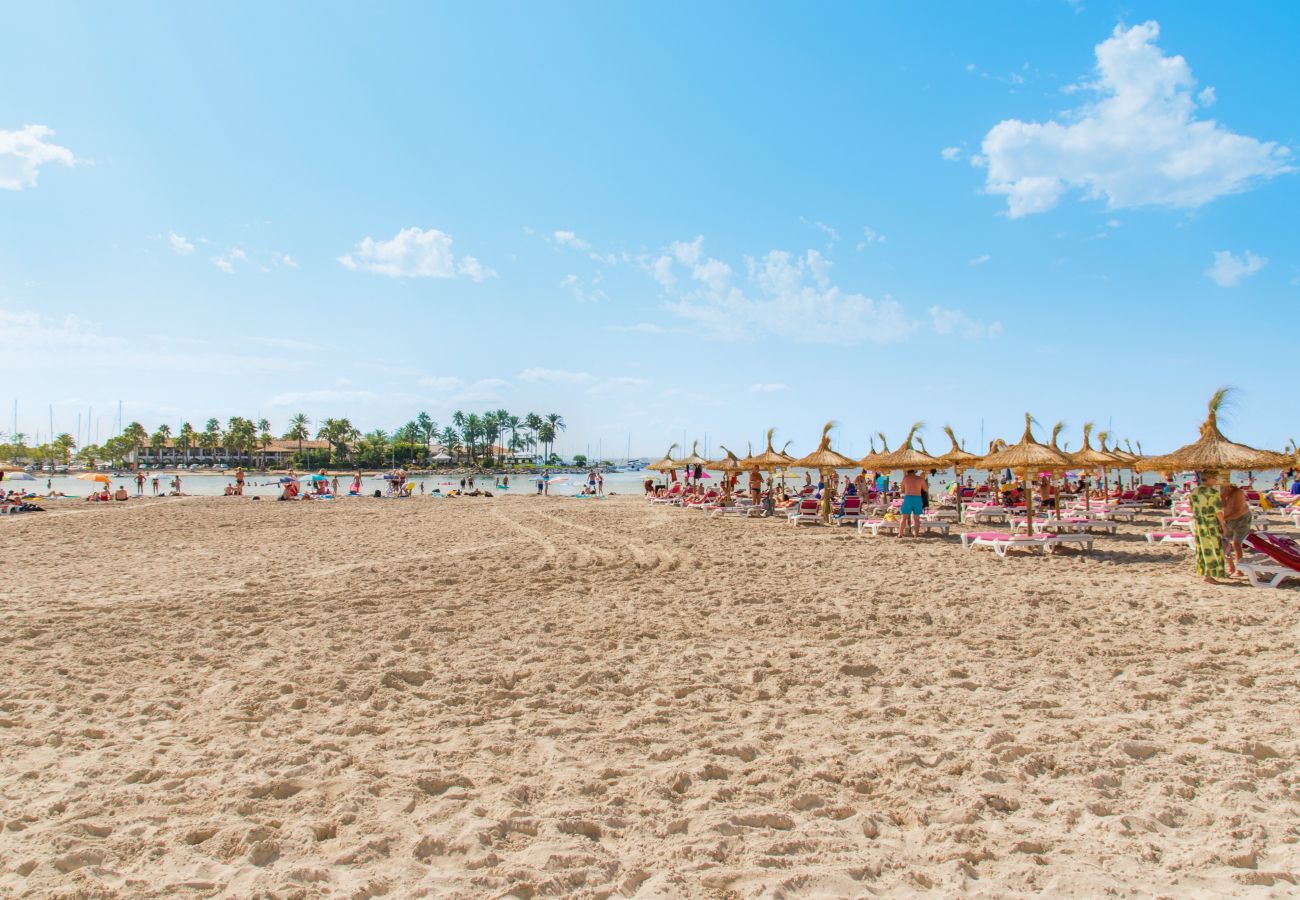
(913, 484)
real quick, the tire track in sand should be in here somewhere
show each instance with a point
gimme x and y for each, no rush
(643, 556)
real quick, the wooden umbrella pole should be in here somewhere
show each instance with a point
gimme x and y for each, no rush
(956, 474)
(1029, 503)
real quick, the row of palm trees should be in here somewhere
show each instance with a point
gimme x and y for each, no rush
(471, 436)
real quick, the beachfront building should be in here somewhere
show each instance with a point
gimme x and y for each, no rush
(277, 454)
(442, 455)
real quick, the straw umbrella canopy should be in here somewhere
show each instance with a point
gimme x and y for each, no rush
(906, 456)
(9, 467)
(869, 461)
(1212, 452)
(728, 465)
(769, 460)
(957, 459)
(694, 459)
(667, 464)
(825, 461)
(1122, 460)
(1091, 459)
(1027, 457)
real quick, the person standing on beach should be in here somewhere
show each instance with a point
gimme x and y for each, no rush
(1207, 528)
(239, 482)
(155, 485)
(139, 484)
(1236, 522)
(913, 485)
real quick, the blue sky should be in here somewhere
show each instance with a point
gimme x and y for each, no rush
(654, 220)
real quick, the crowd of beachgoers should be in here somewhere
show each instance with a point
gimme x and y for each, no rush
(1228, 526)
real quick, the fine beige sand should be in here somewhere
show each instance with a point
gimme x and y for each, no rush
(551, 697)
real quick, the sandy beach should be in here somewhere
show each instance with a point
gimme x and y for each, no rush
(551, 697)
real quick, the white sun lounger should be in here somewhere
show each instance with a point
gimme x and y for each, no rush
(806, 513)
(1170, 537)
(1267, 574)
(1000, 542)
(875, 526)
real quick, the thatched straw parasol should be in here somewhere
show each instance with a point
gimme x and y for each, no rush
(869, 461)
(1027, 457)
(907, 457)
(958, 460)
(667, 464)
(1092, 460)
(693, 460)
(9, 467)
(825, 461)
(729, 465)
(769, 460)
(1213, 452)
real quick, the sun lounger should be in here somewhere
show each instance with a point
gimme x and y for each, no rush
(851, 513)
(890, 526)
(806, 513)
(1000, 541)
(1280, 560)
(990, 514)
(719, 512)
(1170, 537)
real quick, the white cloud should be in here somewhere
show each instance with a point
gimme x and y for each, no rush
(1229, 269)
(688, 254)
(662, 271)
(979, 260)
(569, 239)
(823, 228)
(952, 154)
(226, 261)
(414, 253)
(486, 390)
(69, 343)
(762, 388)
(223, 264)
(554, 376)
(777, 299)
(869, 236)
(23, 152)
(1207, 97)
(954, 321)
(283, 259)
(441, 383)
(585, 292)
(179, 244)
(1139, 144)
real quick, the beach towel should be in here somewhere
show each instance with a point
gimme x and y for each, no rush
(1207, 503)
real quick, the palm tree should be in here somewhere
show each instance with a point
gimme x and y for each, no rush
(185, 440)
(546, 434)
(135, 437)
(211, 438)
(427, 428)
(556, 421)
(63, 446)
(512, 424)
(264, 438)
(299, 430)
(470, 430)
(159, 440)
(450, 441)
(339, 432)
